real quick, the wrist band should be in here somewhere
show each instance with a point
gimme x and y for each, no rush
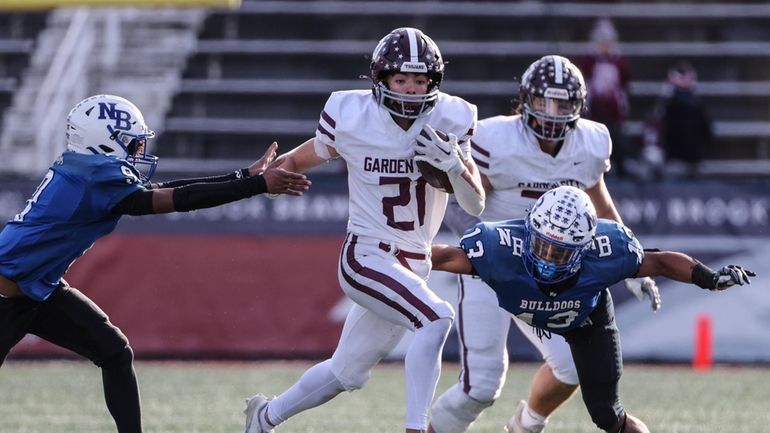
(702, 276)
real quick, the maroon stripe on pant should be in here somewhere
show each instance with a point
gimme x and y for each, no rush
(386, 281)
(464, 372)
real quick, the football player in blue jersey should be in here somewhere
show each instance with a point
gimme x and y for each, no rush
(103, 175)
(552, 270)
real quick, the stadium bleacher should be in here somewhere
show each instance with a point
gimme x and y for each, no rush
(17, 40)
(262, 72)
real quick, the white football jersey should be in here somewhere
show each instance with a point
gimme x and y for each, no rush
(509, 155)
(389, 199)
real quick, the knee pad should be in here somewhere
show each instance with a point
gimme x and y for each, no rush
(351, 376)
(484, 372)
(454, 411)
(437, 329)
(353, 380)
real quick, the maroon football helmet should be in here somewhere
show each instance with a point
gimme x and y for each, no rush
(406, 49)
(552, 95)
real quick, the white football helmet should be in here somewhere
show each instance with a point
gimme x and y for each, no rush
(111, 125)
(560, 230)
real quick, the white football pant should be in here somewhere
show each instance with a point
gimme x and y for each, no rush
(482, 328)
(391, 295)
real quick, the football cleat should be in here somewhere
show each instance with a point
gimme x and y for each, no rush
(514, 424)
(255, 412)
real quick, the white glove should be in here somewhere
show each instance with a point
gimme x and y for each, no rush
(731, 275)
(440, 152)
(645, 287)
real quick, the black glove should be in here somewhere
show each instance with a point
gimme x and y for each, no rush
(731, 275)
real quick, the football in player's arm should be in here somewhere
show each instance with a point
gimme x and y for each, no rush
(552, 270)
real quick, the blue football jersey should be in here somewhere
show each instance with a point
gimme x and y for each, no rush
(495, 251)
(67, 213)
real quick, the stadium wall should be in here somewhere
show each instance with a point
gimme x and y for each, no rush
(258, 278)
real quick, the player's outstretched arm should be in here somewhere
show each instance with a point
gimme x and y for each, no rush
(450, 259)
(254, 169)
(183, 196)
(278, 179)
(681, 267)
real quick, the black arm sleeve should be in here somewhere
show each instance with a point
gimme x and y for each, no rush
(238, 174)
(205, 195)
(703, 277)
(194, 196)
(138, 203)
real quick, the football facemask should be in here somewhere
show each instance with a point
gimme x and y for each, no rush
(559, 231)
(406, 50)
(552, 94)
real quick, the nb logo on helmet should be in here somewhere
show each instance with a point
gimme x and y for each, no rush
(417, 67)
(122, 118)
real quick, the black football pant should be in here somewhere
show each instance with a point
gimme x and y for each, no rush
(599, 362)
(70, 320)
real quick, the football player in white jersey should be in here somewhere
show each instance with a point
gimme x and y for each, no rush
(394, 215)
(520, 157)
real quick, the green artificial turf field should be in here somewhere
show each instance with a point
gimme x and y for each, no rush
(190, 397)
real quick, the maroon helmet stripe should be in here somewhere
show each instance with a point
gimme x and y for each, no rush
(323, 131)
(328, 119)
(388, 282)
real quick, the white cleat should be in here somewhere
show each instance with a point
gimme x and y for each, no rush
(255, 412)
(514, 424)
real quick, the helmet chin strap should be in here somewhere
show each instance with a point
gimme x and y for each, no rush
(554, 289)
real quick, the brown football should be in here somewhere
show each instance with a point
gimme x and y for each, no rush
(435, 177)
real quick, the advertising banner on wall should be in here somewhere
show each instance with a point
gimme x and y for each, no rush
(258, 278)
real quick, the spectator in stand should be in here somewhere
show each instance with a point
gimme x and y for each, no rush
(679, 127)
(606, 74)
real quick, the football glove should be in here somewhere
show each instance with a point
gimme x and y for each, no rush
(440, 152)
(645, 287)
(731, 275)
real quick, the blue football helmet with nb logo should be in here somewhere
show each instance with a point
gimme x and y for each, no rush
(111, 125)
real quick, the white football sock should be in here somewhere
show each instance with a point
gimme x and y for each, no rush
(422, 368)
(530, 418)
(316, 386)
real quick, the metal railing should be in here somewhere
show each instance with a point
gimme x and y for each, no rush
(65, 81)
